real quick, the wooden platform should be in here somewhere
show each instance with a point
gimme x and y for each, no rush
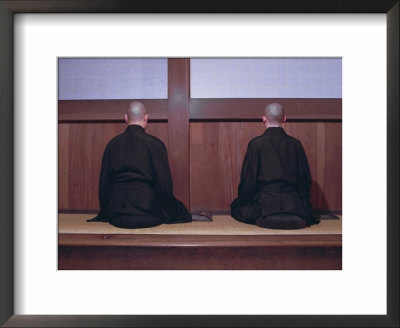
(221, 244)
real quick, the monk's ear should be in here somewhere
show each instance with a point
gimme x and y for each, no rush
(126, 118)
(146, 117)
(284, 118)
(264, 118)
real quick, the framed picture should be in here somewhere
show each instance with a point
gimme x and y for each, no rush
(9, 8)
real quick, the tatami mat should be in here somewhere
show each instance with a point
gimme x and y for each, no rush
(222, 225)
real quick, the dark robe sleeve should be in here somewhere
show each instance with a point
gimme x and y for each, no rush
(175, 211)
(304, 183)
(105, 184)
(248, 177)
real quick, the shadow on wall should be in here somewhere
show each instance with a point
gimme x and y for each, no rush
(318, 199)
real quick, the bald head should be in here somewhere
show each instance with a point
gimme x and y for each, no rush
(274, 113)
(136, 114)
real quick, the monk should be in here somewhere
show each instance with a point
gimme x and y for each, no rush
(135, 187)
(274, 189)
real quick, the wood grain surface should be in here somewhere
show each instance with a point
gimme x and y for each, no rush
(217, 150)
(157, 240)
(80, 151)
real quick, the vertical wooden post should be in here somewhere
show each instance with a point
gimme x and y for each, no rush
(178, 126)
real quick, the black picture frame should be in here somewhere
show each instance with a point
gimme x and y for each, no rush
(7, 11)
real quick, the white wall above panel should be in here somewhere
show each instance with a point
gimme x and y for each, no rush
(266, 78)
(112, 78)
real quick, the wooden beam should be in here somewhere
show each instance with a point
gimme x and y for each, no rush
(252, 108)
(107, 110)
(178, 126)
(201, 109)
(170, 240)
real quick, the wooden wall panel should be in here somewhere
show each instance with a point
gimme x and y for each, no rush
(81, 147)
(204, 167)
(217, 150)
(216, 153)
(63, 151)
(332, 180)
(87, 142)
(307, 134)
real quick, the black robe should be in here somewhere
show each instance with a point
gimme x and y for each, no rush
(135, 179)
(275, 179)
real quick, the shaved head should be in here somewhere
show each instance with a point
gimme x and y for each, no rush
(274, 113)
(136, 112)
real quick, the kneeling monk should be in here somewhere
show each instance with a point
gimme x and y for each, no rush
(135, 188)
(274, 189)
